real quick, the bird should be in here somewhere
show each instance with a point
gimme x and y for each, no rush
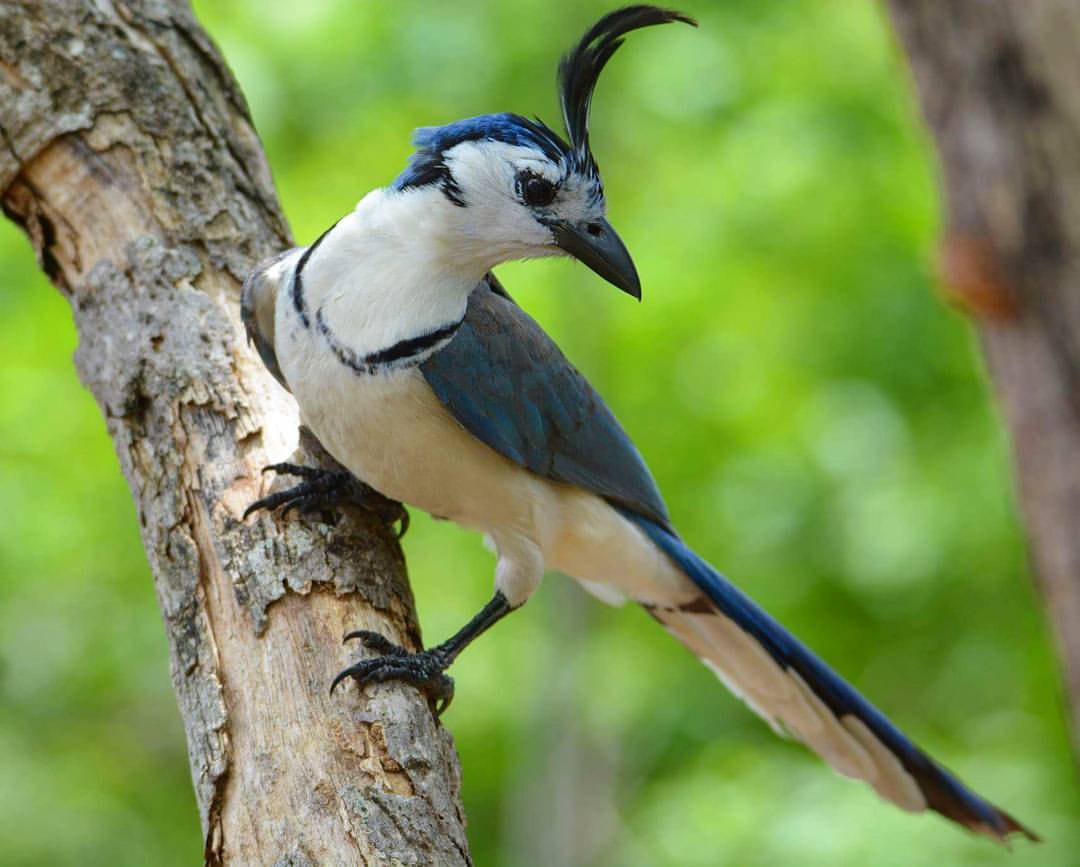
(430, 386)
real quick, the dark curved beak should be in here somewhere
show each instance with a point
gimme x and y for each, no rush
(594, 243)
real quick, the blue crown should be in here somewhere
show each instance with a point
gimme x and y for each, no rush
(426, 166)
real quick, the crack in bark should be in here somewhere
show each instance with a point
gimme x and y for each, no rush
(9, 144)
(200, 532)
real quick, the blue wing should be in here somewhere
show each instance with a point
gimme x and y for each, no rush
(509, 385)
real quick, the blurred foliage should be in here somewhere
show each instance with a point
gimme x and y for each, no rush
(818, 420)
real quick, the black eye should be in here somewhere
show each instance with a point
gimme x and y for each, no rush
(537, 191)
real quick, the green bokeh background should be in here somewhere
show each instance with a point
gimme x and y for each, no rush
(819, 421)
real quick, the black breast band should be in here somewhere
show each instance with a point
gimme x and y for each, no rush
(393, 356)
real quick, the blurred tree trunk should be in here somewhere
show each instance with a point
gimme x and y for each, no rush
(128, 157)
(999, 84)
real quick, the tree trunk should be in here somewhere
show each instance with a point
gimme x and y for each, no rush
(128, 157)
(999, 83)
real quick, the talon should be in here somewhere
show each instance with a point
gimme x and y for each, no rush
(446, 695)
(270, 501)
(293, 503)
(325, 491)
(287, 469)
(375, 642)
(344, 673)
(424, 670)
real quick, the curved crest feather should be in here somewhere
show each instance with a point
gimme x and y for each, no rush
(581, 67)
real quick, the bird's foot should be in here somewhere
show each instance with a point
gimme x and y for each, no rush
(425, 670)
(328, 491)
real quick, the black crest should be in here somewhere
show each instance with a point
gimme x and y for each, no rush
(580, 69)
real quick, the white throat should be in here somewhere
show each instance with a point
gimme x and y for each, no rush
(389, 272)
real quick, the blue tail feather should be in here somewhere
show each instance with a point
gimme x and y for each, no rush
(943, 792)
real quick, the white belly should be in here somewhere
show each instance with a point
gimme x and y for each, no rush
(390, 430)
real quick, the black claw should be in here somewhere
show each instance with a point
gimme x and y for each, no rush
(441, 704)
(425, 670)
(287, 469)
(340, 677)
(326, 491)
(376, 643)
(269, 502)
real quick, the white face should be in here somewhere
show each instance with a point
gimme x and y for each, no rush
(511, 192)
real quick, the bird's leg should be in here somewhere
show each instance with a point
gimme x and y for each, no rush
(425, 670)
(328, 491)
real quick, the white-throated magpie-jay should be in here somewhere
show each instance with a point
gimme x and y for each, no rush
(422, 377)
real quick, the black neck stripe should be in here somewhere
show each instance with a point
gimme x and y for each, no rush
(298, 300)
(401, 351)
(414, 345)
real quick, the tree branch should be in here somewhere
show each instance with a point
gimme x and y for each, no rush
(998, 82)
(128, 157)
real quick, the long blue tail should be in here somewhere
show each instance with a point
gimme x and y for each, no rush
(789, 685)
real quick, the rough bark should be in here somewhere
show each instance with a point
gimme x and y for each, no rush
(128, 157)
(999, 84)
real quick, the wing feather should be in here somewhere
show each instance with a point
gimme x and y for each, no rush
(508, 384)
(257, 304)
